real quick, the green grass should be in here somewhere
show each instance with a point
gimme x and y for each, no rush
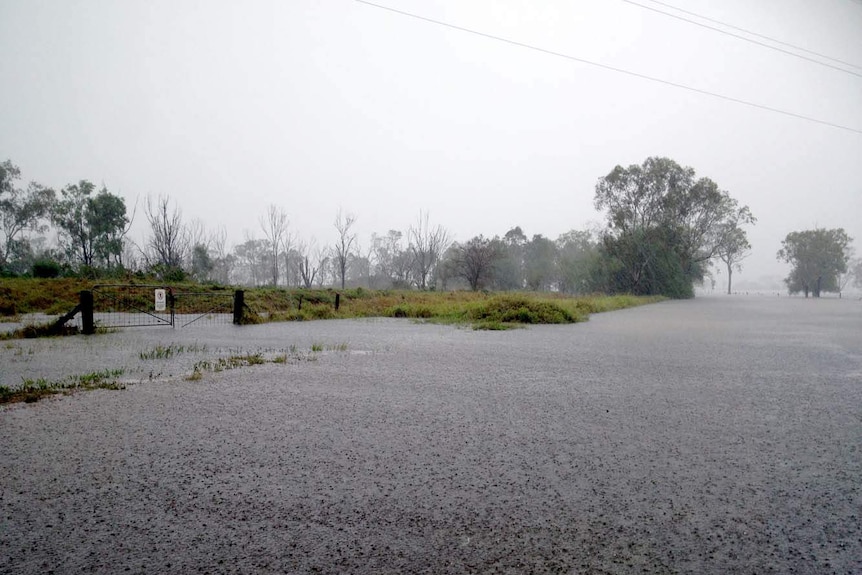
(32, 390)
(235, 361)
(170, 350)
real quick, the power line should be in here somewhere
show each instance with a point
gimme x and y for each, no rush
(611, 68)
(752, 33)
(743, 38)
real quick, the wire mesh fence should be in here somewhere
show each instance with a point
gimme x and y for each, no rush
(201, 309)
(116, 306)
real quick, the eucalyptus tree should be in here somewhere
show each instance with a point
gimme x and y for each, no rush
(732, 241)
(509, 269)
(20, 211)
(540, 257)
(579, 263)
(91, 226)
(818, 257)
(392, 261)
(663, 225)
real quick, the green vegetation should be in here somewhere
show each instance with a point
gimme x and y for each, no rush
(170, 350)
(484, 310)
(820, 259)
(247, 359)
(32, 390)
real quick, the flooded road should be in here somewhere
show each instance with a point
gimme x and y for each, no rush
(716, 435)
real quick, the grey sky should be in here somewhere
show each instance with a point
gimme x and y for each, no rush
(316, 105)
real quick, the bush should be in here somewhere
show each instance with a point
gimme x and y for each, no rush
(46, 269)
(520, 309)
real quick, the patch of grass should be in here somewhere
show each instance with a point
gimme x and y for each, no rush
(196, 375)
(40, 330)
(492, 326)
(32, 390)
(167, 351)
(316, 347)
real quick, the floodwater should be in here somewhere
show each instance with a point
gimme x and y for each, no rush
(715, 435)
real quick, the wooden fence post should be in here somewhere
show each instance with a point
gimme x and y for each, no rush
(88, 325)
(238, 306)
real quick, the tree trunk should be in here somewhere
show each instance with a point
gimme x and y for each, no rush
(729, 275)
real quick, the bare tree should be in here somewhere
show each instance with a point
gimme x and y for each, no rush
(426, 244)
(344, 244)
(222, 260)
(474, 260)
(168, 243)
(307, 269)
(274, 225)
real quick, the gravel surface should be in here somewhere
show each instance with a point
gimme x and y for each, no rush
(716, 435)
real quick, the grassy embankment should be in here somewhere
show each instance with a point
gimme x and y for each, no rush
(479, 309)
(482, 310)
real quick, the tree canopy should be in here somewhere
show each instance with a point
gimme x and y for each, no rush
(664, 226)
(20, 210)
(91, 226)
(818, 257)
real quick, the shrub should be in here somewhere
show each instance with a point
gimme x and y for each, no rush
(520, 309)
(46, 269)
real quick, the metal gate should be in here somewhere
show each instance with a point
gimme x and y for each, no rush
(136, 305)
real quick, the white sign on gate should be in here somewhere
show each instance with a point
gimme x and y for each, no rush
(160, 300)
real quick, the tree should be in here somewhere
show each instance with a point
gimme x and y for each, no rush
(344, 244)
(663, 226)
(222, 260)
(818, 257)
(20, 211)
(92, 227)
(857, 273)
(426, 245)
(393, 262)
(733, 246)
(252, 257)
(274, 224)
(852, 271)
(474, 260)
(509, 269)
(578, 263)
(539, 263)
(168, 242)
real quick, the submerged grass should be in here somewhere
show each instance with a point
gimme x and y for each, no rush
(168, 351)
(32, 390)
(235, 361)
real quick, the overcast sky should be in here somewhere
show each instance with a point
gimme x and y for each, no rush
(316, 105)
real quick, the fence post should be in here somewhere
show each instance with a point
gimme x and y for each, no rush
(337, 301)
(88, 326)
(238, 306)
(172, 302)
